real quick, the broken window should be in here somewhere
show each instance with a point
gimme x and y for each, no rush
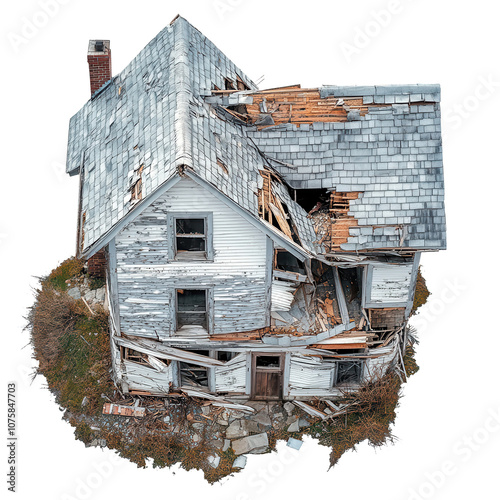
(192, 236)
(191, 308)
(267, 361)
(285, 261)
(225, 355)
(349, 372)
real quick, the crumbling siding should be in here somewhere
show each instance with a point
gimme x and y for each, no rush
(143, 378)
(232, 376)
(147, 280)
(307, 372)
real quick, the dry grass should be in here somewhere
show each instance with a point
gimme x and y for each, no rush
(421, 292)
(70, 344)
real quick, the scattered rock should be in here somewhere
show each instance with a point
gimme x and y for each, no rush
(100, 293)
(258, 451)
(216, 443)
(213, 461)
(251, 426)
(262, 418)
(227, 444)
(294, 427)
(195, 438)
(85, 401)
(257, 405)
(221, 421)
(89, 296)
(303, 423)
(236, 429)
(240, 462)
(166, 419)
(291, 419)
(198, 426)
(289, 407)
(247, 444)
(205, 410)
(74, 293)
(237, 414)
(294, 443)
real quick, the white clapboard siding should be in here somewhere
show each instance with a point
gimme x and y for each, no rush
(232, 376)
(310, 373)
(377, 367)
(147, 281)
(282, 295)
(143, 378)
(391, 284)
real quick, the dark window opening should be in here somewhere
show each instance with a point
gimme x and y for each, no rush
(240, 109)
(192, 308)
(190, 236)
(285, 261)
(348, 371)
(134, 356)
(267, 361)
(225, 355)
(193, 375)
(312, 199)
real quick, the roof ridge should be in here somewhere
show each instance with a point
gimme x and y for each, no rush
(183, 84)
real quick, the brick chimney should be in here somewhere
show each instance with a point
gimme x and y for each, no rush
(99, 59)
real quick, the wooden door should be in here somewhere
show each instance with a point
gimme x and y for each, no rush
(267, 376)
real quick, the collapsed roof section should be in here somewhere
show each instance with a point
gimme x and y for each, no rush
(182, 103)
(382, 142)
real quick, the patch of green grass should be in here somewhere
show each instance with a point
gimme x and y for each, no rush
(70, 268)
(95, 283)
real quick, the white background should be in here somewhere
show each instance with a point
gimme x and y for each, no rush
(445, 420)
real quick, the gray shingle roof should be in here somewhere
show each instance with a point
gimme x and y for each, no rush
(153, 114)
(156, 113)
(392, 154)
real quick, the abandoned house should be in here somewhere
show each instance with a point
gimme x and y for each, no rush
(257, 244)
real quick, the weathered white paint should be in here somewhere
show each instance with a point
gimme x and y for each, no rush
(147, 280)
(378, 367)
(232, 376)
(390, 284)
(282, 295)
(307, 372)
(143, 378)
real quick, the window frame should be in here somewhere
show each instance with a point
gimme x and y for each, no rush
(209, 308)
(336, 372)
(173, 256)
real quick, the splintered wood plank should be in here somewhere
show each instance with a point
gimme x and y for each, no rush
(124, 411)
